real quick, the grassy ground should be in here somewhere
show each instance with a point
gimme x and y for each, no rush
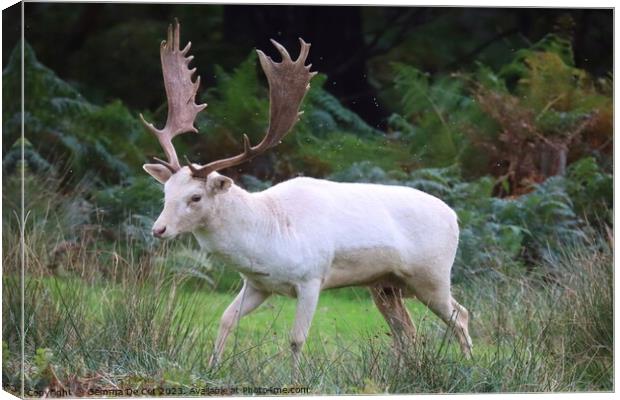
(107, 318)
(156, 332)
(345, 315)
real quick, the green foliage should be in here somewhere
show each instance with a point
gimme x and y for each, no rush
(49, 210)
(591, 190)
(239, 104)
(434, 137)
(66, 129)
(551, 44)
(551, 105)
(518, 117)
(253, 184)
(531, 226)
(42, 359)
(13, 159)
(326, 113)
(339, 150)
(238, 100)
(328, 137)
(129, 209)
(187, 261)
(434, 115)
(548, 82)
(332, 138)
(143, 193)
(364, 171)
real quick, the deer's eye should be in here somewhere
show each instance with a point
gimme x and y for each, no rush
(196, 198)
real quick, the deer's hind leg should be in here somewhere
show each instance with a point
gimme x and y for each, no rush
(435, 294)
(389, 301)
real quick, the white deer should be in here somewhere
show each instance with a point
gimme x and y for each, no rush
(304, 235)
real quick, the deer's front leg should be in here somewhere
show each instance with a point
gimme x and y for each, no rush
(307, 299)
(246, 301)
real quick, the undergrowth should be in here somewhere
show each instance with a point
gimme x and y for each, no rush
(146, 327)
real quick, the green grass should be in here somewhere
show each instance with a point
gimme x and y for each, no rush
(110, 317)
(157, 331)
(345, 315)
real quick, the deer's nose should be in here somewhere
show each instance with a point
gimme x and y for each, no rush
(157, 232)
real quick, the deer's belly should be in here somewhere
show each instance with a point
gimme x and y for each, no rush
(270, 284)
(363, 266)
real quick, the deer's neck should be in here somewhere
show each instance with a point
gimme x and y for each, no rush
(244, 230)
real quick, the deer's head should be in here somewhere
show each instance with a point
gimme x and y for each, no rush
(193, 192)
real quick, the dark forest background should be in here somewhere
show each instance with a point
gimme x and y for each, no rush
(107, 49)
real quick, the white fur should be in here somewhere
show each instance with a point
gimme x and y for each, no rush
(305, 235)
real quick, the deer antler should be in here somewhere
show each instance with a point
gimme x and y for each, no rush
(181, 94)
(288, 84)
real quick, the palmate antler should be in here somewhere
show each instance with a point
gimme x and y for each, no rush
(181, 94)
(288, 84)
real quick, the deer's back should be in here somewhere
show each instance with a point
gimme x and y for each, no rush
(359, 215)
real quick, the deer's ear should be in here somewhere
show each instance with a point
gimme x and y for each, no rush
(218, 183)
(158, 171)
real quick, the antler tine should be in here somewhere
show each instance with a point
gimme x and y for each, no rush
(282, 50)
(288, 83)
(176, 33)
(164, 163)
(303, 53)
(181, 94)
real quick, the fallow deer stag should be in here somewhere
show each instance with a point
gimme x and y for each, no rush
(304, 235)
